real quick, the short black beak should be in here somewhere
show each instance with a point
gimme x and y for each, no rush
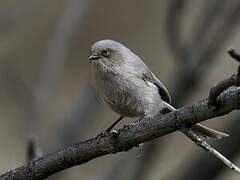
(94, 57)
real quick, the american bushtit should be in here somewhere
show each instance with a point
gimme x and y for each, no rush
(127, 85)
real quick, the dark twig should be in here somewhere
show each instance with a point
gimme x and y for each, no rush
(129, 136)
(220, 87)
(234, 80)
(114, 124)
(234, 54)
(33, 150)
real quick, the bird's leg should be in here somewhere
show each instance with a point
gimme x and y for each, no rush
(114, 124)
(140, 146)
(140, 118)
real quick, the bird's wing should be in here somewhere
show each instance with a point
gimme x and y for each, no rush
(147, 75)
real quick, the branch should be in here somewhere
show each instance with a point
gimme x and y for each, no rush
(128, 137)
(220, 87)
(234, 80)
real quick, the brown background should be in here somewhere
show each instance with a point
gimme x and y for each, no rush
(45, 89)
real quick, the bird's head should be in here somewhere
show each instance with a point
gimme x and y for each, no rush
(108, 53)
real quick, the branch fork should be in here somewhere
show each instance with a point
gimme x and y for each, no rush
(213, 101)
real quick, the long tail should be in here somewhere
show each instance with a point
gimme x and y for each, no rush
(201, 130)
(207, 132)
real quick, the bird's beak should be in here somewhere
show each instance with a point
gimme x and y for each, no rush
(94, 57)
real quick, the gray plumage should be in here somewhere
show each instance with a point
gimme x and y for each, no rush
(127, 85)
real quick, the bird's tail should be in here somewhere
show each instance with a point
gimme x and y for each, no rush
(200, 129)
(207, 132)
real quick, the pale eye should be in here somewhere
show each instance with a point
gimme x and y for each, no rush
(105, 53)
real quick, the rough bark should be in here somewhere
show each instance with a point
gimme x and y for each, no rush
(126, 138)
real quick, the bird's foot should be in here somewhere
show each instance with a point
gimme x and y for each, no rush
(105, 133)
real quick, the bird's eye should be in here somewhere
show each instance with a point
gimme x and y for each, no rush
(105, 53)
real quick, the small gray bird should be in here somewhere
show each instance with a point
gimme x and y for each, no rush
(127, 85)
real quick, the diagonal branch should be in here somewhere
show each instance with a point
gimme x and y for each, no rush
(128, 137)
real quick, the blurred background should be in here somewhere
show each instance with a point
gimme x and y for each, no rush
(47, 101)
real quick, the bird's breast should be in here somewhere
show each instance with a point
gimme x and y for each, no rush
(126, 93)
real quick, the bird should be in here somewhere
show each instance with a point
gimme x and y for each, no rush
(126, 84)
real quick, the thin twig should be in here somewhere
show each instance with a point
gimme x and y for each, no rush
(33, 150)
(203, 144)
(234, 54)
(234, 80)
(220, 87)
